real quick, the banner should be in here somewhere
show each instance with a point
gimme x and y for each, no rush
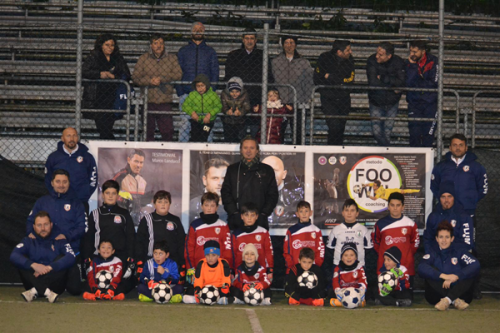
(324, 176)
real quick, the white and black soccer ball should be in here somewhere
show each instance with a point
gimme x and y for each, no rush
(352, 298)
(253, 296)
(308, 279)
(103, 279)
(386, 278)
(356, 189)
(162, 293)
(209, 295)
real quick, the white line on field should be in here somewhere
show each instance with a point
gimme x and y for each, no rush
(254, 321)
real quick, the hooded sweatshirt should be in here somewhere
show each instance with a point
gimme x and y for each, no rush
(201, 104)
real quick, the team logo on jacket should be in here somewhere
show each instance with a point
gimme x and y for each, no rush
(404, 231)
(466, 168)
(242, 246)
(454, 261)
(358, 233)
(453, 223)
(343, 160)
(427, 256)
(117, 220)
(67, 207)
(111, 269)
(79, 159)
(258, 238)
(313, 235)
(200, 241)
(170, 226)
(217, 231)
(355, 274)
(256, 275)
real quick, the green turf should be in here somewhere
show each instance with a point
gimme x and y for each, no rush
(73, 314)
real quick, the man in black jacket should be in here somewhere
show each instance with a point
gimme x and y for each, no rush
(335, 67)
(249, 181)
(384, 69)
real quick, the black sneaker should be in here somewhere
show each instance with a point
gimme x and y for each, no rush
(403, 302)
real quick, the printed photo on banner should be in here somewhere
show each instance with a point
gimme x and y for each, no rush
(141, 172)
(369, 180)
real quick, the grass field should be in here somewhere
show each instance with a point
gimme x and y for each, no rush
(72, 314)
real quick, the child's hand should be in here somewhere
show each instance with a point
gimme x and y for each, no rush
(237, 112)
(246, 287)
(155, 81)
(206, 119)
(194, 116)
(256, 108)
(289, 107)
(230, 112)
(160, 270)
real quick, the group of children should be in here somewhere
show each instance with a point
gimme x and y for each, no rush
(203, 104)
(238, 260)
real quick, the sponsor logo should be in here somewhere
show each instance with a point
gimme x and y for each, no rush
(453, 223)
(67, 207)
(68, 249)
(427, 256)
(468, 260)
(332, 160)
(296, 244)
(322, 160)
(343, 160)
(454, 261)
(466, 168)
(242, 246)
(200, 240)
(404, 231)
(117, 219)
(394, 240)
(217, 231)
(79, 159)
(170, 226)
(20, 245)
(258, 238)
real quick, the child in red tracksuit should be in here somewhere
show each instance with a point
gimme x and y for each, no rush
(400, 294)
(274, 106)
(105, 261)
(348, 274)
(249, 273)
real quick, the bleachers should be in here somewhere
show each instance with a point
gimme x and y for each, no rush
(38, 44)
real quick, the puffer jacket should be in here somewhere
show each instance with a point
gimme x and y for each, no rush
(209, 102)
(241, 103)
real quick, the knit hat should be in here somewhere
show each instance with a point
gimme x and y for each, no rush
(284, 38)
(394, 253)
(212, 246)
(233, 85)
(252, 248)
(447, 187)
(349, 246)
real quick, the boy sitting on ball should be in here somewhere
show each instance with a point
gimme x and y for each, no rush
(99, 285)
(305, 283)
(394, 289)
(250, 273)
(348, 274)
(159, 269)
(212, 271)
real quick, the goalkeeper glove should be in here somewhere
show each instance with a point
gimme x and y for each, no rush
(130, 268)
(108, 295)
(225, 288)
(197, 294)
(397, 272)
(98, 294)
(190, 276)
(87, 263)
(386, 290)
(152, 284)
(258, 286)
(246, 287)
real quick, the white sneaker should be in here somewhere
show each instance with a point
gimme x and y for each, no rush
(30, 295)
(222, 301)
(238, 301)
(266, 301)
(51, 296)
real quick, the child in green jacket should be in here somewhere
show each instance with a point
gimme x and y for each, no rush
(202, 105)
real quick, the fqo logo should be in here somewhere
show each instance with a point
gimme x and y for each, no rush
(363, 179)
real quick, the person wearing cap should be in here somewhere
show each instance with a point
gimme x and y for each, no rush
(195, 58)
(246, 63)
(290, 68)
(348, 274)
(212, 271)
(235, 105)
(400, 294)
(449, 210)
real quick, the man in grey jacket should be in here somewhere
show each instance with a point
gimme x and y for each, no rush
(290, 68)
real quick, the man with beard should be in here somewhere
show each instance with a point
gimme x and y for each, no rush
(421, 72)
(43, 260)
(74, 157)
(195, 58)
(215, 172)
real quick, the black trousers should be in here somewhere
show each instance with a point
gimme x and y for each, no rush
(394, 296)
(199, 131)
(336, 126)
(434, 290)
(55, 281)
(104, 123)
(74, 283)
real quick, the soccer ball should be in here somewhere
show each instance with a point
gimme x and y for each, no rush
(356, 189)
(162, 293)
(209, 295)
(386, 278)
(308, 279)
(253, 296)
(352, 298)
(103, 279)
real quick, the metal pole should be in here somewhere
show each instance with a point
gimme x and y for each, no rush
(145, 115)
(303, 126)
(439, 143)
(78, 101)
(265, 62)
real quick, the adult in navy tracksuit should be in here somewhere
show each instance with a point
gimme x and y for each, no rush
(449, 272)
(43, 260)
(449, 210)
(75, 158)
(195, 58)
(68, 215)
(421, 72)
(461, 167)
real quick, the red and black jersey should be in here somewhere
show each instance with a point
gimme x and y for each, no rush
(245, 275)
(257, 236)
(355, 278)
(112, 264)
(303, 235)
(199, 233)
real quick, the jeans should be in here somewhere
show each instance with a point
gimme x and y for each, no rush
(382, 128)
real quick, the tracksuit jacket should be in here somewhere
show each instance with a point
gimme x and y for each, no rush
(422, 75)
(150, 272)
(299, 236)
(257, 236)
(112, 264)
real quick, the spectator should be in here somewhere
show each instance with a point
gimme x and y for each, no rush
(335, 67)
(384, 69)
(235, 105)
(290, 68)
(246, 63)
(103, 63)
(74, 157)
(155, 69)
(195, 58)
(274, 125)
(421, 72)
